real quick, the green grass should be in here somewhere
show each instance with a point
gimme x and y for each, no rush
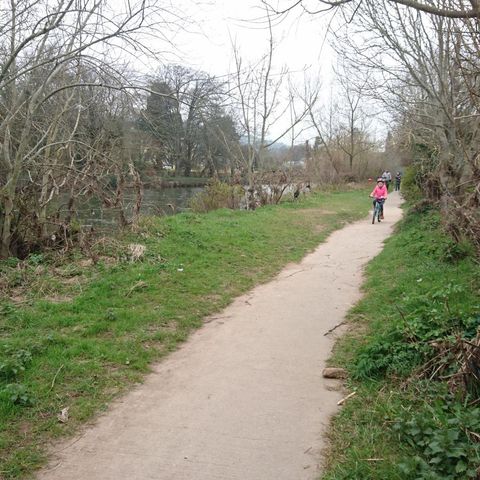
(82, 353)
(421, 296)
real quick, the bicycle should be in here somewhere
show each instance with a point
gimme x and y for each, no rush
(378, 209)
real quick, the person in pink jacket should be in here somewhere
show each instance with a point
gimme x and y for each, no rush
(378, 193)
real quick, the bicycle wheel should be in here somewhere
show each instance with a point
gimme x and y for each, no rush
(375, 212)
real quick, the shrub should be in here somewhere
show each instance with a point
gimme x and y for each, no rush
(217, 195)
(442, 435)
(18, 394)
(429, 321)
(411, 182)
(14, 363)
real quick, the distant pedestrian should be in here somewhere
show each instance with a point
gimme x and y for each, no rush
(388, 179)
(384, 178)
(398, 180)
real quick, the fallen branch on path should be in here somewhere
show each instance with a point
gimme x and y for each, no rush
(334, 328)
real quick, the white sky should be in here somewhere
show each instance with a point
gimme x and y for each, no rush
(300, 40)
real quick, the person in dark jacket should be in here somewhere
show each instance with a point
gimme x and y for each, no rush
(398, 180)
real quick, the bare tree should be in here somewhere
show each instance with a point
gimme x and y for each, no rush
(421, 82)
(425, 75)
(341, 128)
(352, 136)
(322, 121)
(52, 56)
(454, 9)
(424, 59)
(258, 90)
(185, 113)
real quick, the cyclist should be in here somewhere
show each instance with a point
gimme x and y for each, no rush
(379, 193)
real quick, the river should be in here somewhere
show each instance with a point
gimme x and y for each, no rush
(156, 201)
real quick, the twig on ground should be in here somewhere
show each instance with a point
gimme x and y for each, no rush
(296, 272)
(140, 284)
(343, 400)
(334, 328)
(56, 375)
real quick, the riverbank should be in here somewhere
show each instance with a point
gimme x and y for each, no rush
(86, 330)
(415, 414)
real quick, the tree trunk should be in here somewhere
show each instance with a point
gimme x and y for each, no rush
(7, 225)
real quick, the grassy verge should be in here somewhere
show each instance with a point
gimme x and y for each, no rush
(416, 414)
(74, 335)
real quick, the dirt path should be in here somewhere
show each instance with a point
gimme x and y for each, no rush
(244, 397)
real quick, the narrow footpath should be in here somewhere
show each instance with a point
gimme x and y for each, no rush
(244, 397)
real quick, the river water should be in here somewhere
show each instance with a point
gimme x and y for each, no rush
(156, 201)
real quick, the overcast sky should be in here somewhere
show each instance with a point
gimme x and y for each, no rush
(300, 40)
(302, 45)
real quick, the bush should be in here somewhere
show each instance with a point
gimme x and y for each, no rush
(389, 353)
(429, 321)
(411, 182)
(14, 363)
(217, 195)
(442, 435)
(18, 394)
